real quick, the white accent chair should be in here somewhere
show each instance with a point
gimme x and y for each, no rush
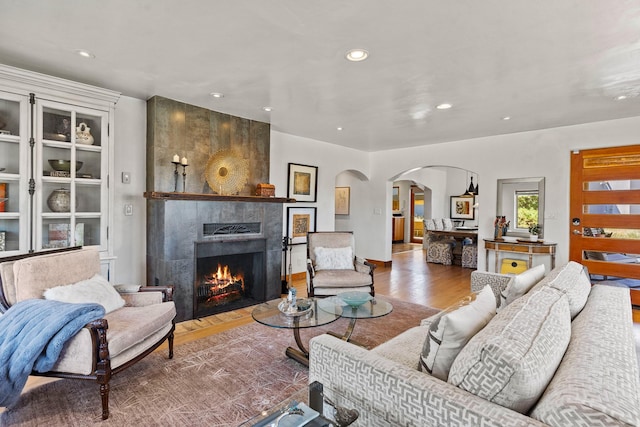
(332, 266)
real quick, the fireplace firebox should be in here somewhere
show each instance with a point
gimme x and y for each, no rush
(229, 274)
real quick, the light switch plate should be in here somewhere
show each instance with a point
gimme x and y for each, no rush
(126, 177)
(128, 209)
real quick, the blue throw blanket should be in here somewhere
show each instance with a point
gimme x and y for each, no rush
(32, 334)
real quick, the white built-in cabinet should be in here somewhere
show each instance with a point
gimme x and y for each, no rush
(42, 120)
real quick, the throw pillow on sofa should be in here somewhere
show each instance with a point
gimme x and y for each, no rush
(574, 282)
(520, 284)
(450, 332)
(511, 361)
(334, 258)
(96, 290)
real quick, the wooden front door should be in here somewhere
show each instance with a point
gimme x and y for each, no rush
(605, 211)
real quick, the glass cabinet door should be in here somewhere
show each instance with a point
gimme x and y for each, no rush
(71, 176)
(13, 173)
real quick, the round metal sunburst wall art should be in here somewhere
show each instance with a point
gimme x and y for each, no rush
(227, 172)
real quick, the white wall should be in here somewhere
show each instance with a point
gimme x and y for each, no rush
(128, 236)
(358, 195)
(331, 160)
(537, 153)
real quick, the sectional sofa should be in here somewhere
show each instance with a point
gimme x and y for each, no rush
(562, 354)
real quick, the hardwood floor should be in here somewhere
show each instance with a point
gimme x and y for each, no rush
(409, 278)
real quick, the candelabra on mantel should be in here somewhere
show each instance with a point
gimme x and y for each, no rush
(184, 177)
(176, 161)
(175, 176)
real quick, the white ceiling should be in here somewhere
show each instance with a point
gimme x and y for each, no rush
(545, 63)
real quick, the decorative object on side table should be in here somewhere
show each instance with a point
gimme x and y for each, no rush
(534, 231)
(3, 237)
(355, 298)
(300, 308)
(501, 226)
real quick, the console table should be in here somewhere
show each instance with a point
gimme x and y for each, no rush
(520, 247)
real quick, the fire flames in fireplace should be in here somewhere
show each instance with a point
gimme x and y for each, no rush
(221, 287)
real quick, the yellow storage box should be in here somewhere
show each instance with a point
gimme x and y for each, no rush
(513, 266)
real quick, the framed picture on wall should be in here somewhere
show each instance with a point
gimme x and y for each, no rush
(300, 221)
(342, 200)
(462, 207)
(302, 182)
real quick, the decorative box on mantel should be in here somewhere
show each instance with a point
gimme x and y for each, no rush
(265, 190)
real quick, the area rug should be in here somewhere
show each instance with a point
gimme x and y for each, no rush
(220, 380)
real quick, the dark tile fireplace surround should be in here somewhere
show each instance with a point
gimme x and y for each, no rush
(180, 231)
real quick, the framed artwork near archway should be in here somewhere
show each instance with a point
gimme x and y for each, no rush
(462, 207)
(302, 183)
(300, 221)
(342, 200)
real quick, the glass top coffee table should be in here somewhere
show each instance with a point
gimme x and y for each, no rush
(369, 310)
(269, 314)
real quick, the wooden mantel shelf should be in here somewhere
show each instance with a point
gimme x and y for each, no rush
(158, 195)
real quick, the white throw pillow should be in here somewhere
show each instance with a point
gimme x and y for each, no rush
(334, 258)
(520, 284)
(95, 290)
(449, 334)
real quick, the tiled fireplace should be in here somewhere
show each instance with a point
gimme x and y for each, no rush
(190, 230)
(221, 253)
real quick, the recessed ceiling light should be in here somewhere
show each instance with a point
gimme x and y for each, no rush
(444, 106)
(356, 55)
(506, 118)
(621, 97)
(339, 127)
(85, 53)
(267, 109)
(217, 94)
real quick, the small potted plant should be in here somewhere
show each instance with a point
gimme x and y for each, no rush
(534, 231)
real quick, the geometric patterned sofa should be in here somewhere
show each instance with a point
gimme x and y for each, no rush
(593, 379)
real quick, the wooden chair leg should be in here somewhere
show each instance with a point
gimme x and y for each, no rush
(170, 339)
(104, 394)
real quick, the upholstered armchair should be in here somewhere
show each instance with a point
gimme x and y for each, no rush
(332, 266)
(137, 323)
